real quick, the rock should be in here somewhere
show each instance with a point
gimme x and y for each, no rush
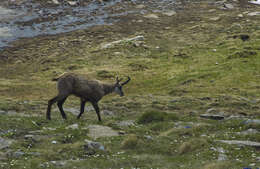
(249, 131)
(1, 111)
(140, 6)
(108, 45)
(257, 2)
(58, 163)
(107, 113)
(211, 110)
(253, 14)
(18, 154)
(228, 6)
(257, 159)
(151, 16)
(240, 15)
(5, 32)
(215, 18)
(126, 123)
(169, 13)
(29, 136)
(73, 127)
(252, 121)
(241, 143)
(148, 137)
(72, 111)
(5, 143)
(2, 156)
(53, 142)
(35, 153)
(56, 2)
(91, 145)
(72, 3)
(212, 116)
(97, 131)
(222, 157)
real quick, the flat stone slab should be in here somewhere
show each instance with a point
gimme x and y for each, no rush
(97, 131)
(241, 143)
(5, 143)
(212, 116)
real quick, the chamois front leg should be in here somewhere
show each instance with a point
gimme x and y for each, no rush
(60, 103)
(95, 105)
(82, 107)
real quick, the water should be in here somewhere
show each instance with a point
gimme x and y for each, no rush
(25, 18)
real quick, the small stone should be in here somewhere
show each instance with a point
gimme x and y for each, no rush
(29, 136)
(93, 145)
(97, 131)
(107, 113)
(58, 163)
(215, 18)
(121, 132)
(212, 116)
(253, 14)
(18, 154)
(5, 143)
(222, 157)
(249, 131)
(140, 6)
(252, 121)
(257, 2)
(252, 164)
(241, 143)
(212, 10)
(53, 142)
(229, 6)
(257, 159)
(151, 16)
(3, 112)
(56, 2)
(240, 15)
(126, 123)
(211, 110)
(72, 3)
(169, 13)
(148, 137)
(73, 127)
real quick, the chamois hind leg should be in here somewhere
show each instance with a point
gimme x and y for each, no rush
(95, 105)
(60, 103)
(50, 103)
(82, 108)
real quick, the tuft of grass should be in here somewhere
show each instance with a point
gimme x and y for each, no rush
(192, 145)
(155, 116)
(222, 165)
(130, 142)
(242, 54)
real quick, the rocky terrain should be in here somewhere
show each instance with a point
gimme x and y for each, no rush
(193, 101)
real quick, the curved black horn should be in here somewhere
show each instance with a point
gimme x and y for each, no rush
(126, 81)
(118, 80)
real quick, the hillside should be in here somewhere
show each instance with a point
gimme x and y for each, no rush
(195, 84)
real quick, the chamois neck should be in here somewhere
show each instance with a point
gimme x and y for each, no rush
(108, 88)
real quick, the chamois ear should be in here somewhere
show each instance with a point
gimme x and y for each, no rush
(118, 80)
(128, 79)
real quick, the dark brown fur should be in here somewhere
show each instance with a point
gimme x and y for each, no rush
(88, 90)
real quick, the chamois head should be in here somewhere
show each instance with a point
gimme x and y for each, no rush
(119, 86)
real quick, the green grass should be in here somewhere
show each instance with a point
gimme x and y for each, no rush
(178, 74)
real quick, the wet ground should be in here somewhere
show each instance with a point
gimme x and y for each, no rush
(30, 18)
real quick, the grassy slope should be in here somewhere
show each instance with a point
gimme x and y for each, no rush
(197, 65)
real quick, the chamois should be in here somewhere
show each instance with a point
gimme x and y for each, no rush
(87, 90)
